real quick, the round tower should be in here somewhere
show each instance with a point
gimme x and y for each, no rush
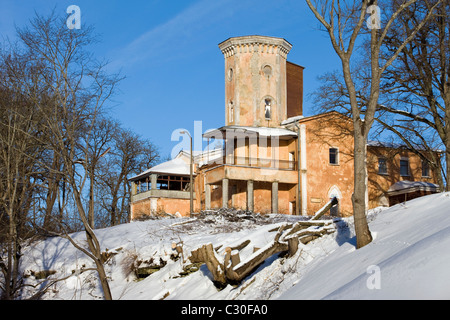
(255, 80)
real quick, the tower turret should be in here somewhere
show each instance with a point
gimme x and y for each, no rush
(256, 80)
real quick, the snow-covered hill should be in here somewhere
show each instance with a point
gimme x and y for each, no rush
(409, 258)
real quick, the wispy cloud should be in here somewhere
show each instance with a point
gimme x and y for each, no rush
(162, 40)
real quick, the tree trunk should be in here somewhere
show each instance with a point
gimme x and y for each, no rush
(447, 134)
(94, 245)
(91, 216)
(363, 235)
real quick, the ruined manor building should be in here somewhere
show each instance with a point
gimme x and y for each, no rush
(273, 159)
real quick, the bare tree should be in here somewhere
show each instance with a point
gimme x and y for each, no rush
(98, 141)
(416, 86)
(130, 154)
(77, 88)
(345, 22)
(19, 147)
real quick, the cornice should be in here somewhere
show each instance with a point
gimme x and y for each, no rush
(255, 43)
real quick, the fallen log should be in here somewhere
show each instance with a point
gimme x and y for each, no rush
(300, 225)
(238, 272)
(207, 255)
(308, 232)
(325, 208)
(233, 270)
(239, 246)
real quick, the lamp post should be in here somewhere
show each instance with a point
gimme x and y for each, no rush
(191, 187)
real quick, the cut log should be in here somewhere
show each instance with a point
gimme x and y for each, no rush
(292, 246)
(233, 270)
(325, 208)
(239, 246)
(301, 225)
(207, 255)
(308, 232)
(244, 268)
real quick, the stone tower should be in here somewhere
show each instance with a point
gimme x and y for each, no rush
(256, 81)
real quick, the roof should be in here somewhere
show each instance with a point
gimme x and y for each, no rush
(406, 186)
(176, 166)
(180, 165)
(394, 145)
(261, 131)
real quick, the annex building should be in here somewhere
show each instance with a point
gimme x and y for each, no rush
(275, 160)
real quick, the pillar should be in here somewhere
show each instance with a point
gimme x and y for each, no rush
(275, 197)
(207, 196)
(133, 188)
(250, 197)
(153, 178)
(225, 193)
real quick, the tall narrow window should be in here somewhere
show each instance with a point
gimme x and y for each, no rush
(425, 169)
(382, 167)
(230, 112)
(267, 106)
(404, 167)
(334, 156)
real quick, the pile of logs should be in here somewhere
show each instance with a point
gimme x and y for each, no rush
(287, 239)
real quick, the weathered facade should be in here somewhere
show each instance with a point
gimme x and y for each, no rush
(273, 159)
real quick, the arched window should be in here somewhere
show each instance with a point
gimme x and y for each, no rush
(267, 111)
(230, 112)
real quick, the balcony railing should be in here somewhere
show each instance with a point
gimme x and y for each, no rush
(254, 162)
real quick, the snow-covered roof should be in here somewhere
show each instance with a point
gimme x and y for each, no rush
(411, 186)
(262, 131)
(180, 165)
(176, 166)
(394, 145)
(202, 156)
(291, 120)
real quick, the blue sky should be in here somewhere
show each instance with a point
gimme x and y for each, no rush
(168, 52)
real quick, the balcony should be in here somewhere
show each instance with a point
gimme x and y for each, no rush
(253, 162)
(244, 168)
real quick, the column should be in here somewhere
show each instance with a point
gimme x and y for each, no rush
(153, 178)
(275, 197)
(133, 188)
(225, 193)
(207, 196)
(250, 197)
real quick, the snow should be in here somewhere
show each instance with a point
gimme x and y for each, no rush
(419, 185)
(408, 258)
(176, 166)
(262, 131)
(410, 249)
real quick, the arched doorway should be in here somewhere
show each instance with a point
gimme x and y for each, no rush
(334, 192)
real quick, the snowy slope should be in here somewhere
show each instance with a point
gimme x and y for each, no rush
(410, 252)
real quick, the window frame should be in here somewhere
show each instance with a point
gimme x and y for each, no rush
(231, 111)
(336, 163)
(408, 174)
(426, 165)
(385, 172)
(268, 106)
